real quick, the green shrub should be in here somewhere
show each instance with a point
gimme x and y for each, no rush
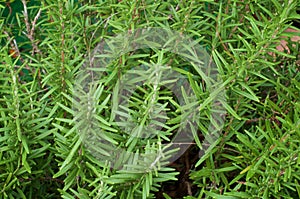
(45, 43)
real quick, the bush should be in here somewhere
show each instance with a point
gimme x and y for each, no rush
(44, 46)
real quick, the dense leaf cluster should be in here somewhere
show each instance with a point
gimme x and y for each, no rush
(43, 46)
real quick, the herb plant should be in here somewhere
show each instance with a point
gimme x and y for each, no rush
(44, 45)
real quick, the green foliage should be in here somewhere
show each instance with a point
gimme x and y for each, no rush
(42, 50)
